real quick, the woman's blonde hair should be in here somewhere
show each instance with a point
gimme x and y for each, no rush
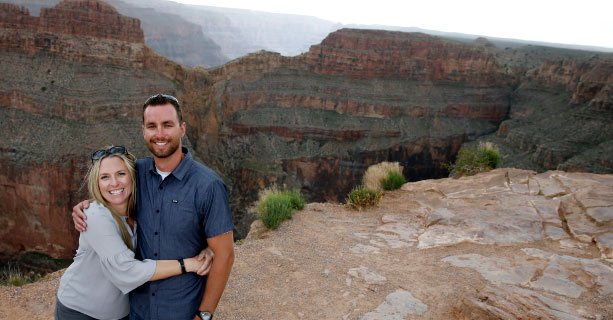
(93, 186)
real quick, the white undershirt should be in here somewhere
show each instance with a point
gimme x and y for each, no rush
(162, 173)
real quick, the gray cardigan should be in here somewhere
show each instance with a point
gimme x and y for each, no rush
(104, 269)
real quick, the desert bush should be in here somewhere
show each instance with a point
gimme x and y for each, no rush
(376, 174)
(472, 160)
(296, 199)
(362, 197)
(275, 206)
(13, 276)
(394, 180)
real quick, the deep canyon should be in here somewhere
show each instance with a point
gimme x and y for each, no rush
(74, 78)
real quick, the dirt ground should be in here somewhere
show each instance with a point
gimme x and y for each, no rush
(331, 262)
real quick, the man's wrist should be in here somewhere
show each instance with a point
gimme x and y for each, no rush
(204, 315)
(182, 265)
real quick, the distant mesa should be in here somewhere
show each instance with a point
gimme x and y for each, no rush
(80, 18)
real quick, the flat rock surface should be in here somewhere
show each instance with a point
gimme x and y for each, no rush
(506, 244)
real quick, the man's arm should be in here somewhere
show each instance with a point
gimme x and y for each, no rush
(78, 217)
(223, 248)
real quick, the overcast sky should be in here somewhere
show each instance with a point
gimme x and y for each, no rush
(583, 22)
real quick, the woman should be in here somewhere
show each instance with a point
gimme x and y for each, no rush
(104, 270)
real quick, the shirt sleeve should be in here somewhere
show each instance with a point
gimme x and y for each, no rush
(217, 214)
(116, 259)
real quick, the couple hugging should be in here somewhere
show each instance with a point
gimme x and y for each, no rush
(162, 250)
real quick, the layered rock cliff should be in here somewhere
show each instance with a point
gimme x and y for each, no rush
(168, 34)
(314, 122)
(71, 80)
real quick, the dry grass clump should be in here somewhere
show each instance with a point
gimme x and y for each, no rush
(377, 176)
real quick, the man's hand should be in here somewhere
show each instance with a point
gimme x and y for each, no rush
(78, 217)
(206, 255)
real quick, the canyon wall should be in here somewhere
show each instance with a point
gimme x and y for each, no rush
(313, 122)
(71, 80)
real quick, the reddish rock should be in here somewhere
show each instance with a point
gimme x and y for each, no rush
(90, 18)
(313, 122)
(34, 206)
(371, 54)
(588, 81)
(17, 17)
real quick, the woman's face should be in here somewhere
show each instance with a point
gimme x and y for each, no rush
(115, 183)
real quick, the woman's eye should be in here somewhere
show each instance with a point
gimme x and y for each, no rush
(121, 173)
(104, 178)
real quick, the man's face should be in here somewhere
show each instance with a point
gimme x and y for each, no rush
(162, 130)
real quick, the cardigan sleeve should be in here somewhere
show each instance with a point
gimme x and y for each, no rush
(116, 259)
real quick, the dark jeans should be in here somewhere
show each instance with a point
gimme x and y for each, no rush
(62, 312)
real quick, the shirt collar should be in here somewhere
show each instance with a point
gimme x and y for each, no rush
(180, 171)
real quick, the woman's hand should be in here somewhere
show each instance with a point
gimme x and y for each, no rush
(200, 264)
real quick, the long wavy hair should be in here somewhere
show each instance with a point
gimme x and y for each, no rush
(93, 186)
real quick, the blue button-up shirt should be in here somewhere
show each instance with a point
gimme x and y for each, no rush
(175, 217)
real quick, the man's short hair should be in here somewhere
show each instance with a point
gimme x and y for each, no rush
(161, 99)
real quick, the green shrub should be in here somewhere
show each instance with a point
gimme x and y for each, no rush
(375, 174)
(296, 199)
(275, 207)
(394, 180)
(361, 197)
(472, 160)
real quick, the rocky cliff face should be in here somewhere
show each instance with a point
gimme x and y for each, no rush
(168, 34)
(314, 122)
(560, 114)
(71, 80)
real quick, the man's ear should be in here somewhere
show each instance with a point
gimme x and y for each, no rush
(183, 127)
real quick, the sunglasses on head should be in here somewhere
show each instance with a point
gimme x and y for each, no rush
(99, 154)
(161, 95)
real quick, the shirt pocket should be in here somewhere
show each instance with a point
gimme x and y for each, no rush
(183, 217)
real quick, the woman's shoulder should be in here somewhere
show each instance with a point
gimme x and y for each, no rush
(98, 211)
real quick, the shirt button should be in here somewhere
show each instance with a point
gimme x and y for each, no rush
(153, 294)
(155, 254)
(156, 233)
(161, 187)
(158, 211)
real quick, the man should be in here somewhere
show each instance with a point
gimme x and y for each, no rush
(181, 204)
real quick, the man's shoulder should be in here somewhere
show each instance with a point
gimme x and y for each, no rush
(142, 163)
(203, 173)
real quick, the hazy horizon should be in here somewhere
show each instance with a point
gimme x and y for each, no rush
(561, 22)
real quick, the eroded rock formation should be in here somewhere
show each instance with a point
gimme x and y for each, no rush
(506, 244)
(71, 81)
(313, 122)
